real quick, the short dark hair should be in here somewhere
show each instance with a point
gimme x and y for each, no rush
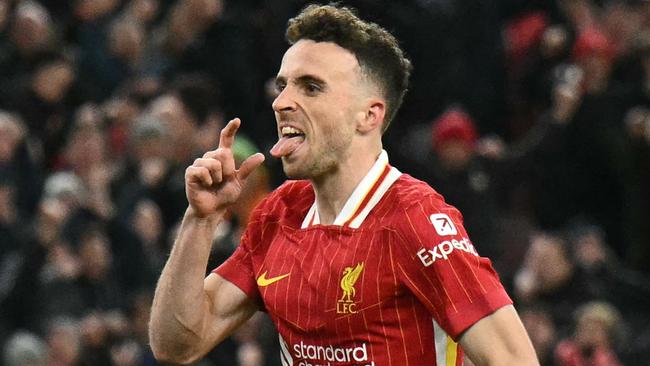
(376, 50)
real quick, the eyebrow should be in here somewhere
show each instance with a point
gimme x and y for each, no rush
(311, 79)
(304, 79)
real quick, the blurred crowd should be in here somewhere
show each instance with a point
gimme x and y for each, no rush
(531, 117)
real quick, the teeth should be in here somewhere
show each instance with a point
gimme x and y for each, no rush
(288, 130)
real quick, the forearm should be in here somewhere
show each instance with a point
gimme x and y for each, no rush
(180, 306)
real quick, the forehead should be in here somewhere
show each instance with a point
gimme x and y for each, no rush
(326, 60)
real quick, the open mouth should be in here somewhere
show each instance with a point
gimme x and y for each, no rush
(291, 132)
(290, 139)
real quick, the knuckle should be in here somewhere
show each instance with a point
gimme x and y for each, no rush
(210, 154)
(192, 172)
(221, 153)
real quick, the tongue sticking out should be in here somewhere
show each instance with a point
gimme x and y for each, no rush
(286, 145)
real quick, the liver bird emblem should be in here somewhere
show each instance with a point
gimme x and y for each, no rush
(350, 277)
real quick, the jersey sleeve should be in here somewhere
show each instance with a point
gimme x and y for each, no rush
(238, 269)
(440, 265)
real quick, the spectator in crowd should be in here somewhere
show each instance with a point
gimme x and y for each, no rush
(145, 164)
(598, 327)
(63, 337)
(465, 179)
(191, 114)
(20, 174)
(25, 349)
(106, 45)
(637, 178)
(608, 279)
(147, 225)
(543, 333)
(549, 277)
(29, 34)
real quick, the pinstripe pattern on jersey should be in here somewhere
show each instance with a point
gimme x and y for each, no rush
(395, 296)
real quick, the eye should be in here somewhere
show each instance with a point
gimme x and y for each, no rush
(279, 86)
(312, 88)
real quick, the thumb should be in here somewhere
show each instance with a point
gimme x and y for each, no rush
(247, 167)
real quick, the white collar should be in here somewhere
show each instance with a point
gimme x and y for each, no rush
(364, 197)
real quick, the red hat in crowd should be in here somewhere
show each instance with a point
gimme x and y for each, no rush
(590, 42)
(454, 125)
(523, 33)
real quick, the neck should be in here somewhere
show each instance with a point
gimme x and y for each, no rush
(334, 188)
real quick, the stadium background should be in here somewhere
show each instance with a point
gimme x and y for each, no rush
(530, 116)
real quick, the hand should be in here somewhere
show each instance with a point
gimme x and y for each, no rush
(212, 183)
(152, 171)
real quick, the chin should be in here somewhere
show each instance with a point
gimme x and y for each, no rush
(293, 172)
(307, 171)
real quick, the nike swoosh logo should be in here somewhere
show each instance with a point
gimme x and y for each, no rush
(262, 281)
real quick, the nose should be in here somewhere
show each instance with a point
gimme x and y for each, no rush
(284, 102)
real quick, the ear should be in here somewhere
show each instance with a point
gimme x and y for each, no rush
(373, 118)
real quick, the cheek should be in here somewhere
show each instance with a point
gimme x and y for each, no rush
(333, 116)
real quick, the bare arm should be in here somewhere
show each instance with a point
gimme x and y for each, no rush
(499, 339)
(191, 314)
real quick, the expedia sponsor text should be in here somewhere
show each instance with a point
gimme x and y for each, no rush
(442, 250)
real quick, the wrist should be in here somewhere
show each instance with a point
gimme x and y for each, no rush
(210, 219)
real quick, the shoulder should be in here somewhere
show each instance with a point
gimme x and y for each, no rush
(419, 209)
(287, 204)
(411, 195)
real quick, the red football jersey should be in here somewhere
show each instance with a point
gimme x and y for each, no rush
(393, 281)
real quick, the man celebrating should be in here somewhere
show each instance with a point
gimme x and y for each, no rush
(356, 263)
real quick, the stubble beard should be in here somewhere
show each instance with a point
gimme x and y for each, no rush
(321, 160)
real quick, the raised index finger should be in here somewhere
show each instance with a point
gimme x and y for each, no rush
(228, 133)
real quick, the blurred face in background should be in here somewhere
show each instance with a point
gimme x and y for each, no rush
(147, 222)
(89, 10)
(622, 23)
(127, 40)
(152, 147)
(178, 123)
(86, 149)
(589, 250)
(454, 137)
(144, 10)
(65, 344)
(549, 261)
(591, 333)
(455, 155)
(542, 331)
(30, 30)
(188, 19)
(12, 133)
(95, 256)
(52, 81)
